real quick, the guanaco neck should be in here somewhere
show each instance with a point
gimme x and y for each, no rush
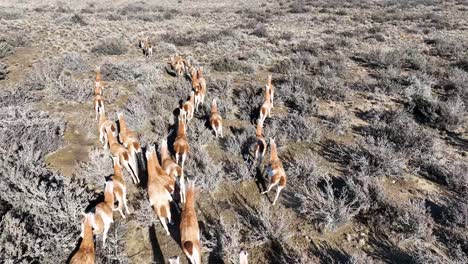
(192, 97)
(87, 242)
(259, 131)
(214, 107)
(117, 170)
(190, 198)
(269, 81)
(164, 150)
(109, 193)
(274, 152)
(267, 94)
(181, 129)
(122, 124)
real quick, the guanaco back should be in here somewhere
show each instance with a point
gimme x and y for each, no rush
(275, 171)
(103, 122)
(216, 121)
(189, 107)
(85, 254)
(189, 230)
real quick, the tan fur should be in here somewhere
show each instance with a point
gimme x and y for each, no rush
(189, 107)
(261, 145)
(125, 134)
(275, 171)
(178, 64)
(189, 230)
(102, 217)
(265, 110)
(181, 146)
(158, 193)
(103, 122)
(120, 189)
(216, 120)
(98, 103)
(199, 86)
(271, 88)
(85, 254)
(172, 168)
(125, 159)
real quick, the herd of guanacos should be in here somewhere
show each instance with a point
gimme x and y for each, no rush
(125, 150)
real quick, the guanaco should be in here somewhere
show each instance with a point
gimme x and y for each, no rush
(102, 217)
(158, 189)
(123, 154)
(149, 49)
(178, 64)
(216, 120)
(85, 254)
(243, 257)
(98, 104)
(98, 85)
(129, 139)
(181, 146)
(120, 190)
(172, 168)
(275, 171)
(261, 145)
(201, 90)
(189, 230)
(271, 88)
(189, 107)
(265, 110)
(103, 122)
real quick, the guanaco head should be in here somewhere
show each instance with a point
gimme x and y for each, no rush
(193, 72)
(269, 79)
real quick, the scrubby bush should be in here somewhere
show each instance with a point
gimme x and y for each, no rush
(202, 168)
(6, 49)
(3, 71)
(329, 205)
(125, 71)
(31, 192)
(111, 46)
(232, 65)
(260, 31)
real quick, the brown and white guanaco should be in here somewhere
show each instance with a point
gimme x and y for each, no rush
(172, 168)
(275, 171)
(216, 121)
(102, 216)
(271, 88)
(123, 154)
(129, 139)
(103, 122)
(189, 107)
(85, 254)
(178, 64)
(199, 86)
(158, 188)
(120, 189)
(181, 146)
(98, 103)
(265, 110)
(98, 84)
(189, 230)
(261, 145)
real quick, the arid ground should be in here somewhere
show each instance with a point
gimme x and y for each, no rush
(370, 118)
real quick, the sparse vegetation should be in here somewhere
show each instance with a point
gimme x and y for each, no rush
(370, 118)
